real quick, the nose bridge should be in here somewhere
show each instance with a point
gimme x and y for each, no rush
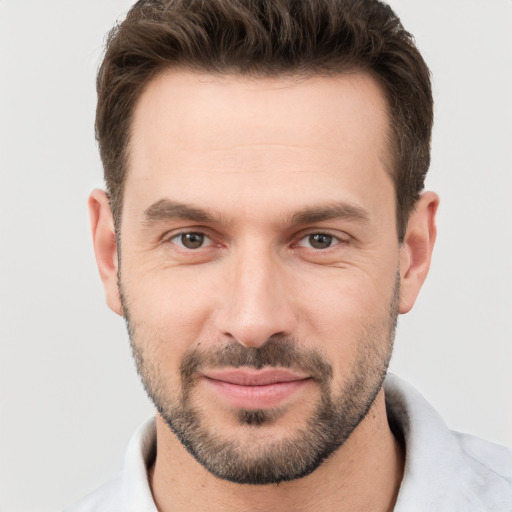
(259, 304)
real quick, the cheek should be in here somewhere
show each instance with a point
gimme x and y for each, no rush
(352, 314)
(347, 298)
(168, 309)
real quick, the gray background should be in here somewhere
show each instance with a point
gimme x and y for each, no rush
(69, 396)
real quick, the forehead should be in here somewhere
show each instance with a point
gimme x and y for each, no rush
(261, 138)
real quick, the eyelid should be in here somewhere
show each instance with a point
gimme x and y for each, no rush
(341, 238)
(174, 235)
(171, 233)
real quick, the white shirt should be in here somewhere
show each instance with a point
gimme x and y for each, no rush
(445, 471)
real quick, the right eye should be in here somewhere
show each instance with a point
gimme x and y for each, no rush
(191, 240)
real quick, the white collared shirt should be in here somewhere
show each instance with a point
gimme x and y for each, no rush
(445, 471)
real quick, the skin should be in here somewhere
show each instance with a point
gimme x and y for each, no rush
(253, 154)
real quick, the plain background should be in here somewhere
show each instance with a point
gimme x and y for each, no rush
(70, 397)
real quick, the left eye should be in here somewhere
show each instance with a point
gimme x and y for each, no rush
(191, 240)
(319, 241)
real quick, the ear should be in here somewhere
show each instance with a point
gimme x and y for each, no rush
(105, 246)
(416, 250)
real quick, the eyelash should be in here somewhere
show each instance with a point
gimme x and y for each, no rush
(336, 240)
(177, 236)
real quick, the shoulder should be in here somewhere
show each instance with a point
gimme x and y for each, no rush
(490, 466)
(130, 490)
(106, 498)
(445, 470)
(493, 456)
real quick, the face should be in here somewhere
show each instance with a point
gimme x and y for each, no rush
(259, 265)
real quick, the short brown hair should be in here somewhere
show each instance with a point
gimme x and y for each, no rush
(268, 38)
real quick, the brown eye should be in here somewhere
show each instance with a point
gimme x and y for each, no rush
(190, 240)
(320, 240)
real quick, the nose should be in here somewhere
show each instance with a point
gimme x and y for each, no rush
(257, 301)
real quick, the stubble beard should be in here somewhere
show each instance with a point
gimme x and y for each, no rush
(269, 461)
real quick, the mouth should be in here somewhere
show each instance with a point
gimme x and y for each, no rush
(255, 389)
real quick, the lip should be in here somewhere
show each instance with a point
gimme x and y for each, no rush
(250, 377)
(255, 389)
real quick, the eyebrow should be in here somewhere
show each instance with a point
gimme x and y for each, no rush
(165, 209)
(321, 213)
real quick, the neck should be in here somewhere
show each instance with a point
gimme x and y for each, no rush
(363, 474)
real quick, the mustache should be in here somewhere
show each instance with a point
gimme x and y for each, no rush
(278, 351)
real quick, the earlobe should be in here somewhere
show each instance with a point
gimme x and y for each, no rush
(416, 250)
(105, 246)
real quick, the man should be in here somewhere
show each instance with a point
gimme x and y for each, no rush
(263, 227)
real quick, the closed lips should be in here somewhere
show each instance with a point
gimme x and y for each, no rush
(254, 377)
